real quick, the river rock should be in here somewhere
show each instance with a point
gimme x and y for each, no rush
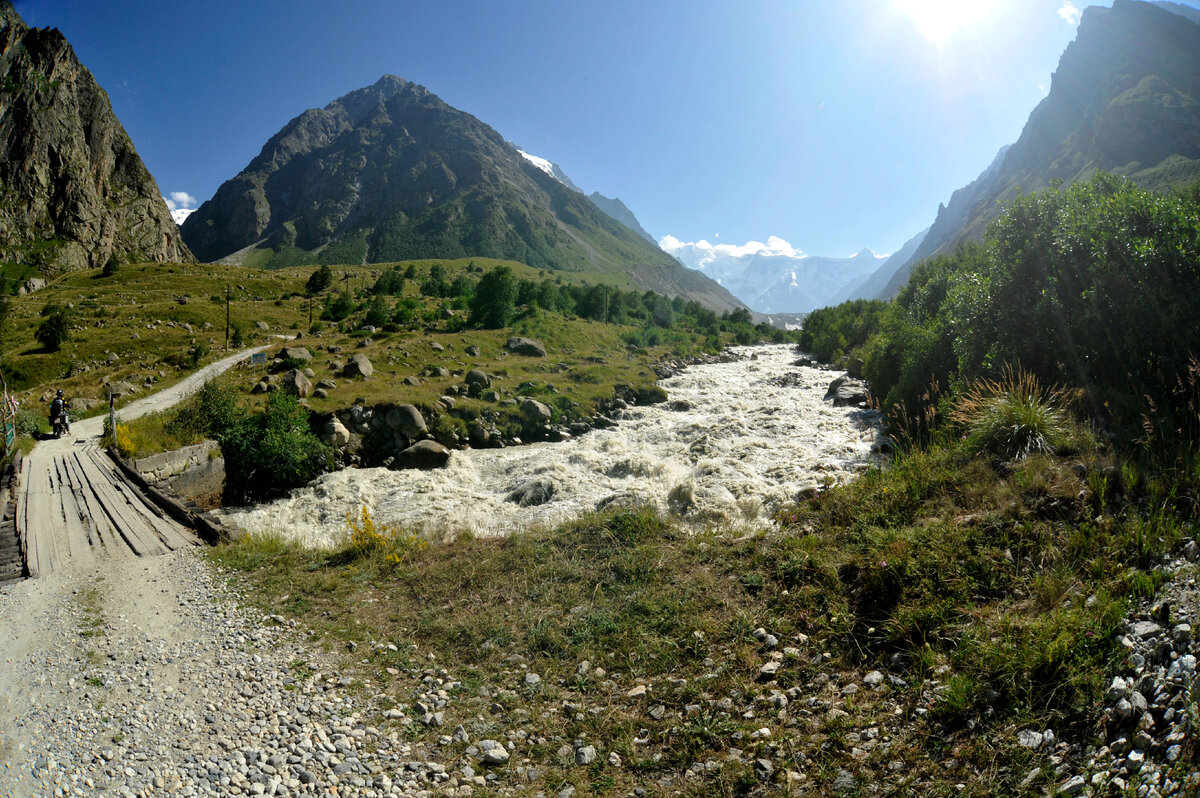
(845, 391)
(532, 493)
(358, 366)
(526, 346)
(535, 412)
(295, 383)
(408, 420)
(423, 454)
(335, 433)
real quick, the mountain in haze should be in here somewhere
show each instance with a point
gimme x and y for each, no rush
(391, 172)
(1125, 98)
(773, 277)
(73, 192)
(619, 211)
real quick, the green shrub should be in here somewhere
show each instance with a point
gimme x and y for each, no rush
(269, 453)
(1014, 416)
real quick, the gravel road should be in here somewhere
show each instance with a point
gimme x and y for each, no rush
(143, 677)
(138, 677)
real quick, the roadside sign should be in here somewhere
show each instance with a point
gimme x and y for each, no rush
(258, 359)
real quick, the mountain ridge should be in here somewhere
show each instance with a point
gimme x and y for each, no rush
(390, 172)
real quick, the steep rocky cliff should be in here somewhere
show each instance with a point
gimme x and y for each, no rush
(391, 172)
(1125, 98)
(73, 191)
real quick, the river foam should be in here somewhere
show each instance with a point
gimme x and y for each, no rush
(734, 442)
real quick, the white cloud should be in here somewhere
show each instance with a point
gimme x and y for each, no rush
(180, 201)
(703, 252)
(1069, 13)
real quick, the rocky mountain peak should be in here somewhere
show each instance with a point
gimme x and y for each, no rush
(74, 193)
(390, 172)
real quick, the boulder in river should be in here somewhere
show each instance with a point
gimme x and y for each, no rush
(423, 454)
(845, 391)
(532, 493)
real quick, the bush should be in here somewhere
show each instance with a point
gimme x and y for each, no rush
(210, 412)
(1014, 416)
(268, 453)
(369, 539)
(31, 422)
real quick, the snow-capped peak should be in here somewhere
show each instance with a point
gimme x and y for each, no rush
(179, 214)
(550, 168)
(540, 163)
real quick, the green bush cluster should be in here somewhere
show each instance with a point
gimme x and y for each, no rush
(1094, 287)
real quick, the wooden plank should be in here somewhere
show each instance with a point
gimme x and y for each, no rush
(168, 531)
(116, 508)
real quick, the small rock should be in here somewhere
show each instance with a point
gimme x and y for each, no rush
(585, 755)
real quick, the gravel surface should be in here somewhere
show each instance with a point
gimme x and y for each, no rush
(144, 677)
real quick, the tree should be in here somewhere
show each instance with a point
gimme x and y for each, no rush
(318, 281)
(269, 453)
(495, 302)
(55, 329)
(377, 312)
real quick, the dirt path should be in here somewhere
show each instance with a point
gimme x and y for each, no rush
(73, 504)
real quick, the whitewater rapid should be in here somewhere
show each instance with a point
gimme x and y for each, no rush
(734, 442)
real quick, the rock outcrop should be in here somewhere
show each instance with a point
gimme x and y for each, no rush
(74, 194)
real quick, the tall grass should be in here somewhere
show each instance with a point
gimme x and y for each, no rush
(1014, 416)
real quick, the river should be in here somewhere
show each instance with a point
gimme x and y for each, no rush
(734, 443)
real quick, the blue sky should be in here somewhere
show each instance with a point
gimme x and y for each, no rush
(831, 124)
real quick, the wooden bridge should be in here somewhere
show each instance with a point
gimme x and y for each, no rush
(73, 504)
(76, 505)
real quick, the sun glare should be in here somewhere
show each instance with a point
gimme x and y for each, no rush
(938, 20)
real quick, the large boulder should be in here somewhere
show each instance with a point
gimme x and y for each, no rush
(296, 384)
(295, 353)
(335, 433)
(526, 346)
(358, 366)
(845, 391)
(478, 377)
(408, 420)
(532, 493)
(423, 454)
(535, 413)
